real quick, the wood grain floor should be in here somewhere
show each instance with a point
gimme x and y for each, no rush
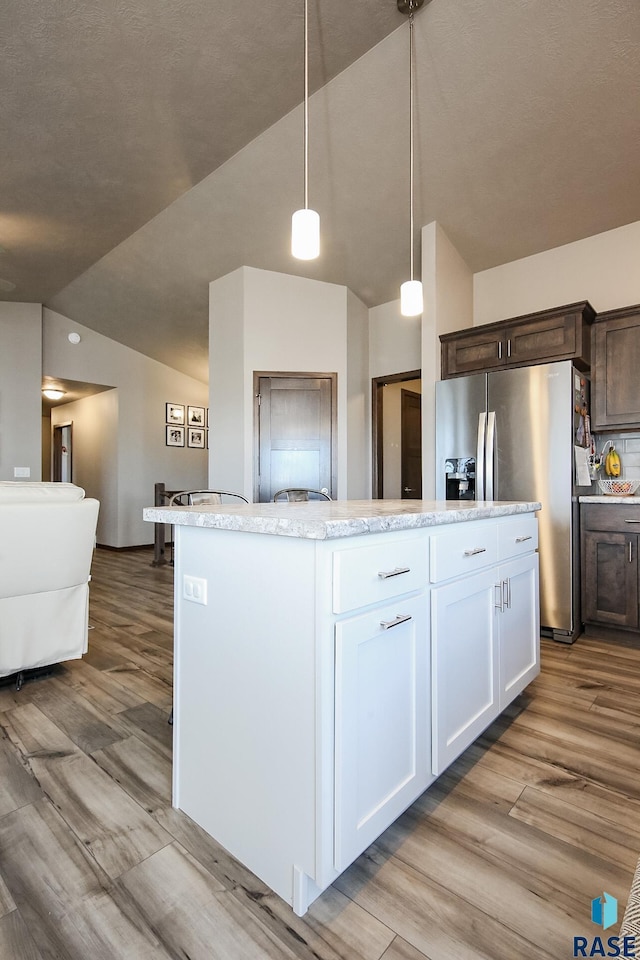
(498, 860)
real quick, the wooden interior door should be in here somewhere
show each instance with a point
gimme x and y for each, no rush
(411, 445)
(295, 433)
(62, 452)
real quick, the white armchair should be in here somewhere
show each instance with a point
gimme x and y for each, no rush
(47, 536)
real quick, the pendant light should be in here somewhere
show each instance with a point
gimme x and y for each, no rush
(411, 301)
(305, 223)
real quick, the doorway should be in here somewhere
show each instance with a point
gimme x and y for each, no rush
(62, 452)
(410, 445)
(294, 432)
(397, 436)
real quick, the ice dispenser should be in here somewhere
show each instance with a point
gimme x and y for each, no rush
(460, 478)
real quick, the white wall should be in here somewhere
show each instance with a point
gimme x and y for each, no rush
(394, 341)
(144, 386)
(448, 303)
(94, 454)
(20, 385)
(358, 401)
(603, 269)
(284, 324)
(226, 385)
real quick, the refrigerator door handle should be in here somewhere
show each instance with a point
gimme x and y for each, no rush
(482, 429)
(489, 463)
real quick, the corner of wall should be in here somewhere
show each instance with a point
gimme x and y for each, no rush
(20, 389)
(448, 283)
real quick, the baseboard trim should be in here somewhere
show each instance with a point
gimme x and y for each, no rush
(139, 546)
(630, 637)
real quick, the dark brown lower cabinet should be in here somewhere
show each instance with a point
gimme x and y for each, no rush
(610, 565)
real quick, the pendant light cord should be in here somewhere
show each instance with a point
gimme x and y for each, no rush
(410, 140)
(306, 105)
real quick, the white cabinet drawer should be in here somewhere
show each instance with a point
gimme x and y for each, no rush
(517, 536)
(374, 573)
(462, 550)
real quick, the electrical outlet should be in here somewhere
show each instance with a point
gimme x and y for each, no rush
(22, 471)
(194, 589)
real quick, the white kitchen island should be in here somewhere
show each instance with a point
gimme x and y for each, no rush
(332, 659)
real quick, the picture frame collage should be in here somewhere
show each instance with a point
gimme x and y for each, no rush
(186, 423)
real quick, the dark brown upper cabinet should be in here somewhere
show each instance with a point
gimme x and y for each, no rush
(559, 334)
(616, 370)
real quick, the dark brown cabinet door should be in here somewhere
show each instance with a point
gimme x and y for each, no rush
(610, 583)
(541, 341)
(616, 369)
(563, 333)
(471, 351)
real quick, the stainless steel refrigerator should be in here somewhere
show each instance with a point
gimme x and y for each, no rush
(510, 435)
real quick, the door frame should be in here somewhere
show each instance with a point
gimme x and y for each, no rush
(56, 449)
(306, 375)
(377, 383)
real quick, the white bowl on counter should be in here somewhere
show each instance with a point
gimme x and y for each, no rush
(617, 487)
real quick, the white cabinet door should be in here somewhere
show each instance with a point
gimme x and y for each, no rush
(381, 721)
(464, 664)
(519, 626)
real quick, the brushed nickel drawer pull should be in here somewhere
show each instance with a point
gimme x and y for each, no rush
(630, 552)
(632, 521)
(499, 604)
(401, 618)
(476, 550)
(522, 539)
(385, 574)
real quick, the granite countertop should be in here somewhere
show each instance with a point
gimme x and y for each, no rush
(611, 498)
(328, 520)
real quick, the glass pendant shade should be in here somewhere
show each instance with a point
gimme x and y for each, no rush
(305, 234)
(411, 303)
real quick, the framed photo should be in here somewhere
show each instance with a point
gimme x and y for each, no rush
(175, 436)
(195, 416)
(175, 413)
(195, 437)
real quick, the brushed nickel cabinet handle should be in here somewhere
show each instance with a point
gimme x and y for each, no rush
(499, 349)
(385, 574)
(507, 585)
(522, 539)
(499, 604)
(630, 552)
(401, 618)
(632, 521)
(475, 551)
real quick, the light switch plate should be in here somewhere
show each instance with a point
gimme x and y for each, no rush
(194, 589)
(22, 471)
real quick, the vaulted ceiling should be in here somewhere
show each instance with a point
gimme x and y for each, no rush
(149, 148)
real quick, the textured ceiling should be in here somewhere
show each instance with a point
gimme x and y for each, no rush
(150, 148)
